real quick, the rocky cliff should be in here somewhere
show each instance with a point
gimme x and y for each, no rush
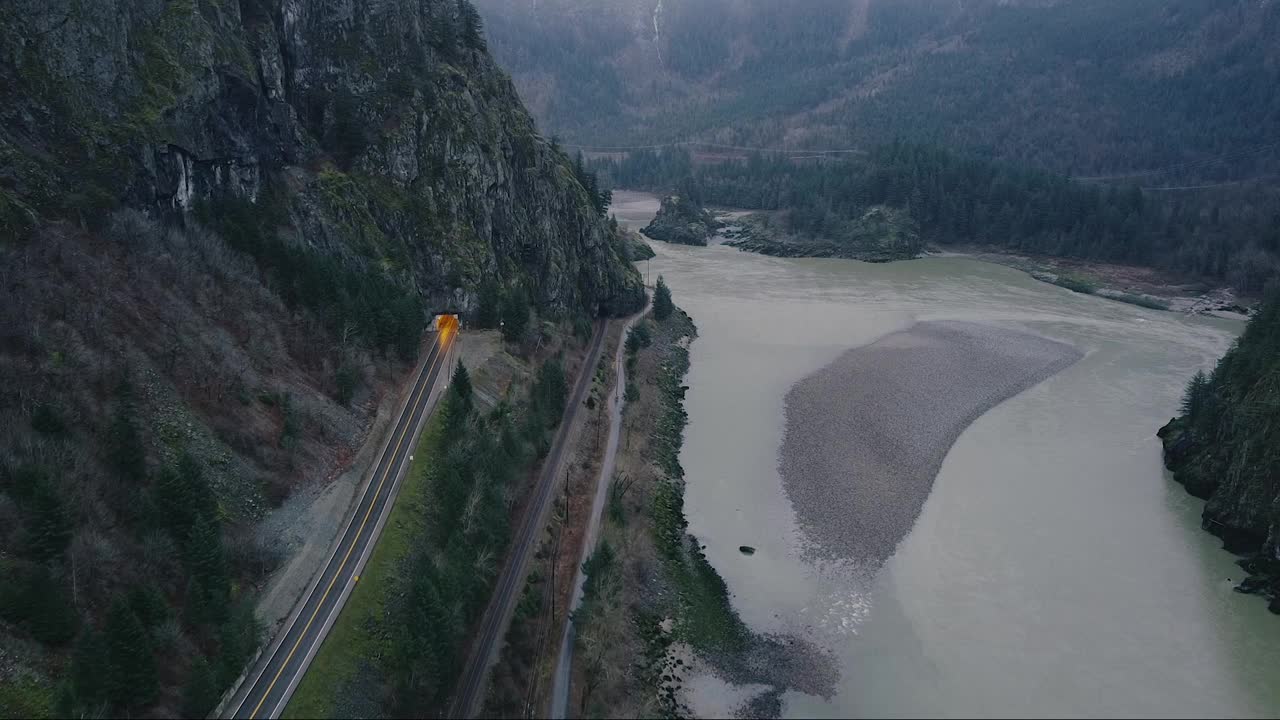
(682, 221)
(389, 133)
(1225, 448)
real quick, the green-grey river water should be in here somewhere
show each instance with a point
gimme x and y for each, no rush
(1055, 569)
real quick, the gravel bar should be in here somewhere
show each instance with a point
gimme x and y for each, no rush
(866, 435)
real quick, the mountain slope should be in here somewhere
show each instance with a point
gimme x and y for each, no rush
(223, 225)
(1077, 86)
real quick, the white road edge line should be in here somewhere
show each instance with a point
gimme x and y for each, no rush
(337, 542)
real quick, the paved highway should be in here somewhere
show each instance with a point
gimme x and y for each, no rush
(274, 677)
(493, 625)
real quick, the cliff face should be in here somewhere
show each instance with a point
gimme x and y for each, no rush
(388, 131)
(1225, 448)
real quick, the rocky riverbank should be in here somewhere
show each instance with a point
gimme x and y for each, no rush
(1136, 285)
(865, 435)
(1225, 449)
(657, 631)
(881, 234)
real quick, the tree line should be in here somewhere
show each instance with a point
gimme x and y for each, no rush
(451, 572)
(957, 198)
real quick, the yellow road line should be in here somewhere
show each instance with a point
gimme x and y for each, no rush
(359, 531)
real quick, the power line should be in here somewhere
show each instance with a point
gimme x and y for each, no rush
(1245, 152)
(1211, 185)
(718, 146)
(807, 154)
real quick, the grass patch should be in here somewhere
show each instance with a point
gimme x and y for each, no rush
(350, 643)
(24, 697)
(1075, 283)
(706, 618)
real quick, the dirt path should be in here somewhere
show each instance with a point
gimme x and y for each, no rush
(564, 662)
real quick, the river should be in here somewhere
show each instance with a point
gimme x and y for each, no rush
(1055, 569)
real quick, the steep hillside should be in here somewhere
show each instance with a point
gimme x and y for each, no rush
(1225, 448)
(1079, 86)
(223, 226)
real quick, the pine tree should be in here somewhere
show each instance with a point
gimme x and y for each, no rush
(50, 526)
(237, 639)
(88, 676)
(131, 674)
(471, 26)
(460, 386)
(515, 316)
(126, 453)
(201, 692)
(662, 305)
(1194, 399)
(50, 615)
(488, 305)
(210, 581)
(443, 33)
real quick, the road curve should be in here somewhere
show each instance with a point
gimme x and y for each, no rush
(274, 677)
(493, 625)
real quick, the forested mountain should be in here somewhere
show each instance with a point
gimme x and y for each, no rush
(223, 226)
(1082, 87)
(1225, 447)
(959, 198)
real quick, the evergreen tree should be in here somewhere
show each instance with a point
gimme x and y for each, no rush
(88, 676)
(662, 305)
(51, 617)
(237, 639)
(50, 527)
(1194, 399)
(515, 316)
(550, 392)
(126, 453)
(210, 585)
(132, 678)
(470, 26)
(345, 380)
(201, 692)
(488, 305)
(443, 32)
(181, 496)
(460, 386)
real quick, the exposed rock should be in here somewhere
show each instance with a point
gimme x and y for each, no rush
(393, 136)
(881, 234)
(681, 221)
(634, 247)
(1225, 448)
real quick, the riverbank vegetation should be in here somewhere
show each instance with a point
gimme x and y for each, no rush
(653, 602)
(955, 198)
(1225, 447)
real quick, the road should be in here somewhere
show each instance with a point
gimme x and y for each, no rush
(271, 682)
(564, 659)
(493, 625)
